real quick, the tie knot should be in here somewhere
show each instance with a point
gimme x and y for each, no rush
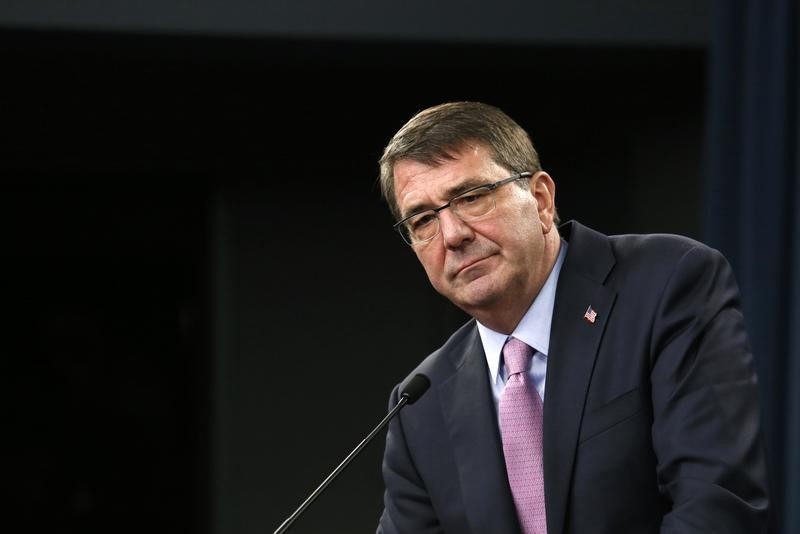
(516, 355)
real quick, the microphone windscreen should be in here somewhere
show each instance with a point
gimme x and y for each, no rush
(416, 387)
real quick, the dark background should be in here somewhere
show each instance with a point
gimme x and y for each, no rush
(205, 305)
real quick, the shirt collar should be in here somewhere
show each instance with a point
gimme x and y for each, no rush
(534, 328)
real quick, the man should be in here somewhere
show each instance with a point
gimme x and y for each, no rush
(604, 384)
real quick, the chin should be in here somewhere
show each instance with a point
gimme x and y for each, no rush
(477, 294)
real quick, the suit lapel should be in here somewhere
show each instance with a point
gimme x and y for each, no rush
(574, 342)
(471, 422)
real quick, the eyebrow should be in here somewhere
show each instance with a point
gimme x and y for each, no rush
(449, 193)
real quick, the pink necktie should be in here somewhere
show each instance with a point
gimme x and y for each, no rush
(521, 429)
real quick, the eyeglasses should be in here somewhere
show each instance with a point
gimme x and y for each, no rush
(469, 205)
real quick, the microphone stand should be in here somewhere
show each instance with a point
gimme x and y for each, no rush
(311, 498)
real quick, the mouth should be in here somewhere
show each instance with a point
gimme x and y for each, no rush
(470, 265)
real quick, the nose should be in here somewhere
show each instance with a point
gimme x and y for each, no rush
(454, 231)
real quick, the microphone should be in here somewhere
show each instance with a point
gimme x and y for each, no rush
(416, 387)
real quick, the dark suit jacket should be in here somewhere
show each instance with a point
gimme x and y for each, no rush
(651, 416)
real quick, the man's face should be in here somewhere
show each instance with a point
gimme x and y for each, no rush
(494, 265)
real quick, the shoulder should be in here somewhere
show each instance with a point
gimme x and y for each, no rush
(638, 246)
(450, 356)
(647, 270)
(657, 247)
(662, 254)
(665, 257)
(646, 256)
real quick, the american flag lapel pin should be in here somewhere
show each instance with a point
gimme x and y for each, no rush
(590, 315)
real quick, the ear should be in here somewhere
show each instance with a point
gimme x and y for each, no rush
(543, 189)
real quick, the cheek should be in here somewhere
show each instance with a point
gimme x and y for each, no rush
(525, 240)
(432, 261)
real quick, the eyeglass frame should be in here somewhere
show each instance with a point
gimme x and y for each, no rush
(491, 187)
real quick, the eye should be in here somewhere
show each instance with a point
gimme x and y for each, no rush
(422, 220)
(472, 197)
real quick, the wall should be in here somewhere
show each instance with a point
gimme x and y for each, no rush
(207, 304)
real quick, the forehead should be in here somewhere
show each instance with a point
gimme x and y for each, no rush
(420, 186)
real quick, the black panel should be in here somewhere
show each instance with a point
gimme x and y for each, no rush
(158, 189)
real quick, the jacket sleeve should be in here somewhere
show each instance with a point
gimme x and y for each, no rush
(706, 416)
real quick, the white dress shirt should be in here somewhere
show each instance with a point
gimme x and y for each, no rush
(533, 330)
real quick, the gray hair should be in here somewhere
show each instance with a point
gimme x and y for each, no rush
(432, 136)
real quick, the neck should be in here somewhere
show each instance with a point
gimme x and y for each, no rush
(505, 317)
